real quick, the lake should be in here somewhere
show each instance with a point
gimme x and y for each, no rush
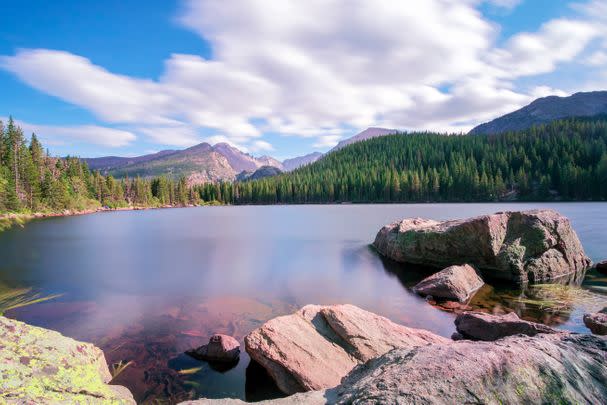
(145, 286)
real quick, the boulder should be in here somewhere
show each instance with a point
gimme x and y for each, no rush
(221, 348)
(483, 326)
(536, 246)
(40, 366)
(457, 283)
(602, 266)
(597, 322)
(546, 368)
(318, 345)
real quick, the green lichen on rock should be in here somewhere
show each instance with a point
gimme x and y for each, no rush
(44, 367)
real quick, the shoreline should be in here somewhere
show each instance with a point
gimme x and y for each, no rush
(9, 220)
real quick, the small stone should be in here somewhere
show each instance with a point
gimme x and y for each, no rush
(487, 327)
(457, 283)
(221, 348)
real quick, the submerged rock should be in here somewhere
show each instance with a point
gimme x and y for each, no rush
(524, 247)
(221, 348)
(453, 283)
(317, 346)
(597, 322)
(482, 326)
(41, 366)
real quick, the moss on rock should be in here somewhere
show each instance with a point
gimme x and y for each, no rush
(44, 367)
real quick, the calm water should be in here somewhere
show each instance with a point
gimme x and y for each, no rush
(147, 285)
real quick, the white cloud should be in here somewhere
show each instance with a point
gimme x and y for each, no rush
(88, 134)
(327, 141)
(259, 146)
(598, 58)
(312, 68)
(544, 91)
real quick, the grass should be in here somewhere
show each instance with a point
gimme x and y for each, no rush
(11, 298)
(7, 222)
(119, 367)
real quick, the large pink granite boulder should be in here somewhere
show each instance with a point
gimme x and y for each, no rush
(317, 346)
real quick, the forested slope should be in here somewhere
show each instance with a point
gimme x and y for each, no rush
(564, 160)
(33, 181)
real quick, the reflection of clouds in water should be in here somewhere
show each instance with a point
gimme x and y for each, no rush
(148, 285)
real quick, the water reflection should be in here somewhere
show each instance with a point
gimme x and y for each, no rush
(147, 286)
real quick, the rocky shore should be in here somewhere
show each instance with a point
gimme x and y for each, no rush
(342, 354)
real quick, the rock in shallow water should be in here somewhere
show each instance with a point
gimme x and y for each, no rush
(547, 368)
(315, 347)
(597, 322)
(221, 348)
(482, 326)
(453, 283)
(523, 247)
(40, 366)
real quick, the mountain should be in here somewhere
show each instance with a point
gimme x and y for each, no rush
(208, 163)
(241, 161)
(364, 135)
(269, 161)
(547, 109)
(113, 162)
(201, 163)
(297, 162)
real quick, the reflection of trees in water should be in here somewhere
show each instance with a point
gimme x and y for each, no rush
(551, 304)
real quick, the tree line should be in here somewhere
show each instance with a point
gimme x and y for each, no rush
(563, 160)
(33, 181)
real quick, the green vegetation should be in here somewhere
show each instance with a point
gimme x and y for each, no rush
(564, 160)
(32, 181)
(11, 298)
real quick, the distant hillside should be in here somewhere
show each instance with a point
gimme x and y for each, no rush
(294, 163)
(114, 162)
(545, 110)
(563, 160)
(364, 135)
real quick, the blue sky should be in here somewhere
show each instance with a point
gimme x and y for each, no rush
(283, 78)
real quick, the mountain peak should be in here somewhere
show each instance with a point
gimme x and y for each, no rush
(371, 132)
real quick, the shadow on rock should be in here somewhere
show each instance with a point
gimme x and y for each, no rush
(259, 385)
